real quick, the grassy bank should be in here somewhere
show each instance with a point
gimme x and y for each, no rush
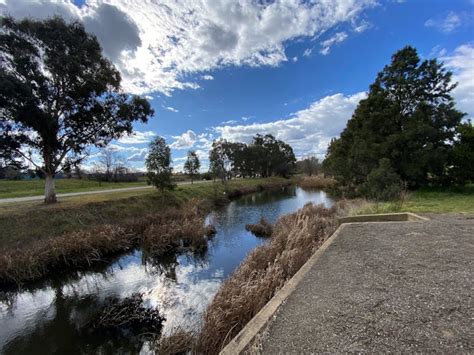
(37, 239)
(23, 188)
(428, 200)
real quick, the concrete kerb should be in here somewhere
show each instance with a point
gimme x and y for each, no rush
(247, 335)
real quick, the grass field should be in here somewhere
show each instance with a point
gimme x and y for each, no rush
(434, 200)
(27, 222)
(23, 188)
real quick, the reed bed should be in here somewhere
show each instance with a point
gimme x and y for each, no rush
(261, 229)
(176, 229)
(316, 182)
(265, 270)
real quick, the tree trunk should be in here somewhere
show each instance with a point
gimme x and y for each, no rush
(49, 189)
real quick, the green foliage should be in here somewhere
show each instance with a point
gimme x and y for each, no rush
(408, 118)
(58, 94)
(463, 155)
(265, 156)
(383, 183)
(192, 165)
(158, 165)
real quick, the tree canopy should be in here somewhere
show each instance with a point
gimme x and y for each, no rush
(59, 95)
(408, 118)
(265, 156)
(192, 165)
(158, 164)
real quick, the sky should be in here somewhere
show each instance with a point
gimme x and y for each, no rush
(232, 69)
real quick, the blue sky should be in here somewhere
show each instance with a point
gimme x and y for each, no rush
(232, 69)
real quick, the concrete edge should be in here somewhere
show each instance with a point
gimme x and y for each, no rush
(247, 335)
(383, 217)
(257, 323)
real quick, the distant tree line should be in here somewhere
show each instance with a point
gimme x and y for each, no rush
(264, 156)
(407, 132)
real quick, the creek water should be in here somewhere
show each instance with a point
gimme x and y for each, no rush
(53, 316)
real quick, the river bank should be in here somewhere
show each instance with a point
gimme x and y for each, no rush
(41, 239)
(180, 285)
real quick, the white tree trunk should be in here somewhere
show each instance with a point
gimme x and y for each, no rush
(49, 189)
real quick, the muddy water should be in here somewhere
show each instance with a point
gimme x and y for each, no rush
(54, 316)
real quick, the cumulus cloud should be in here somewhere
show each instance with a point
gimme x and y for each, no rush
(157, 45)
(308, 131)
(327, 44)
(461, 62)
(137, 137)
(184, 141)
(452, 22)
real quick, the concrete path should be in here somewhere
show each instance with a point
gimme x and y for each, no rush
(399, 287)
(72, 194)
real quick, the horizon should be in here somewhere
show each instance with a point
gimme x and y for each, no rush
(227, 70)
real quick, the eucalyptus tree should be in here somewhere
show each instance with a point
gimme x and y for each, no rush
(59, 95)
(158, 164)
(192, 165)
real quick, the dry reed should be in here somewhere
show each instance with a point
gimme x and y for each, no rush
(317, 182)
(261, 229)
(265, 270)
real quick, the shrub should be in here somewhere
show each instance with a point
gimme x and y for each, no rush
(383, 183)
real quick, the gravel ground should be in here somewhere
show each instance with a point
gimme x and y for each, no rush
(384, 287)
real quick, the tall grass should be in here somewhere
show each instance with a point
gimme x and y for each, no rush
(109, 228)
(316, 182)
(171, 230)
(265, 270)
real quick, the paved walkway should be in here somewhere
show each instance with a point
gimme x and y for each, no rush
(384, 287)
(72, 194)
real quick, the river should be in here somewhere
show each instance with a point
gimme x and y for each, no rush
(52, 316)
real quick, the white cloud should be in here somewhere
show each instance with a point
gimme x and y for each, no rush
(137, 137)
(307, 52)
(362, 26)
(139, 156)
(461, 62)
(327, 44)
(229, 122)
(157, 45)
(246, 118)
(452, 22)
(184, 141)
(169, 108)
(207, 77)
(308, 131)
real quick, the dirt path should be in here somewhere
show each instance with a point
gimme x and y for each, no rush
(72, 194)
(400, 287)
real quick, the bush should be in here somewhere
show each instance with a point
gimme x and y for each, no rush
(383, 183)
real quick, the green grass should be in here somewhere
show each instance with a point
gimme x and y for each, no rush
(23, 188)
(434, 200)
(27, 222)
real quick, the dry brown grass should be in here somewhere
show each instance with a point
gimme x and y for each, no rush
(265, 270)
(175, 229)
(178, 342)
(316, 182)
(261, 229)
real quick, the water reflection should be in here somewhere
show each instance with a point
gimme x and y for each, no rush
(48, 317)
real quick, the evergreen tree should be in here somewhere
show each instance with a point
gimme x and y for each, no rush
(158, 164)
(408, 118)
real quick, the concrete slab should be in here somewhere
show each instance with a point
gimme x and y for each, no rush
(382, 287)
